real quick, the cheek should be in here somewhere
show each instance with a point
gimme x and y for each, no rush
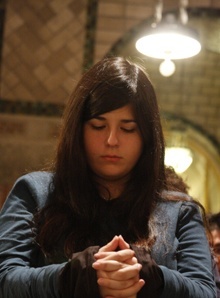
(139, 145)
(91, 144)
(87, 142)
(137, 148)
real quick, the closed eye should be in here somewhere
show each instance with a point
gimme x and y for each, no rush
(128, 130)
(98, 127)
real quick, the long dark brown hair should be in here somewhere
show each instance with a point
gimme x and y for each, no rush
(72, 213)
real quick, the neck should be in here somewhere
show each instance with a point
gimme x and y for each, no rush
(109, 190)
(109, 193)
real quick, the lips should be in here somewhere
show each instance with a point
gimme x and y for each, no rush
(112, 158)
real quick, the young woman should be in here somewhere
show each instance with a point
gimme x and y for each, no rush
(108, 220)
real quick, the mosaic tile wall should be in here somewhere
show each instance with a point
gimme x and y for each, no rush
(44, 54)
(43, 49)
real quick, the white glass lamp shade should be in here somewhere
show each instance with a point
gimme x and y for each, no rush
(173, 41)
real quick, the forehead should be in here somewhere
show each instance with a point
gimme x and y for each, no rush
(125, 112)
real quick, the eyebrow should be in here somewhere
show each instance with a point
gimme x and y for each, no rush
(122, 120)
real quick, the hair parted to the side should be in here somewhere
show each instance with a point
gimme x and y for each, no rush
(109, 84)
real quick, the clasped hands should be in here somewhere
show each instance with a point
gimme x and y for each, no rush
(117, 270)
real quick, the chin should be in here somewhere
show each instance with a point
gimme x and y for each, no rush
(114, 176)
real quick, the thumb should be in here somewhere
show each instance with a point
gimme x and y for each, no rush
(111, 246)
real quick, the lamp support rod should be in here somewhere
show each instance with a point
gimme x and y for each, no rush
(158, 11)
(183, 15)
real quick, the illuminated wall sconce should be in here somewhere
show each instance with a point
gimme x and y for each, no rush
(180, 158)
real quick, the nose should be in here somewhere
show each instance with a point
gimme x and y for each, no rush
(112, 138)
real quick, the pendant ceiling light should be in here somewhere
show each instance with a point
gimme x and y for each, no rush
(169, 38)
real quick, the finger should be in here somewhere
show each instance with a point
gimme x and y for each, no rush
(125, 272)
(132, 261)
(117, 271)
(111, 246)
(121, 255)
(110, 265)
(117, 285)
(122, 243)
(125, 293)
(103, 255)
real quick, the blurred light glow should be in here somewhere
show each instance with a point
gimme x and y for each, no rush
(180, 158)
(167, 68)
(168, 44)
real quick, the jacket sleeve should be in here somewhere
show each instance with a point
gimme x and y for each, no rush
(22, 274)
(193, 277)
(150, 272)
(78, 279)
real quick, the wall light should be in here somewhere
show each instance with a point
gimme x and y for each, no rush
(180, 158)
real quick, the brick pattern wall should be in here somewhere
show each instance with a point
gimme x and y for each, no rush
(43, 49)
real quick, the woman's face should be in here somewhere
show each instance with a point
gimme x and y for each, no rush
(113, 144)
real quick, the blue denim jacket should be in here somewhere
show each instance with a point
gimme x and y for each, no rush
(184, 256)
